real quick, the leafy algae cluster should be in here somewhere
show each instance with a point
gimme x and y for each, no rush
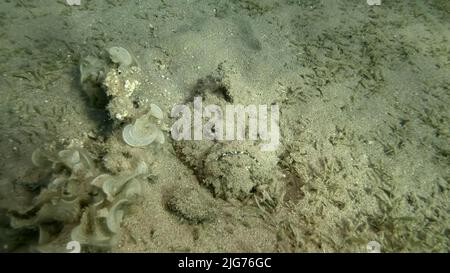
(80, 200)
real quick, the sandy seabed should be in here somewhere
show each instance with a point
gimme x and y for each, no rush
(363, 93)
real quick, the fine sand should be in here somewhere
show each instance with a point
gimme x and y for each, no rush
(363, 93)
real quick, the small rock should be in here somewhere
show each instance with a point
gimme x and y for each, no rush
(192, 204)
